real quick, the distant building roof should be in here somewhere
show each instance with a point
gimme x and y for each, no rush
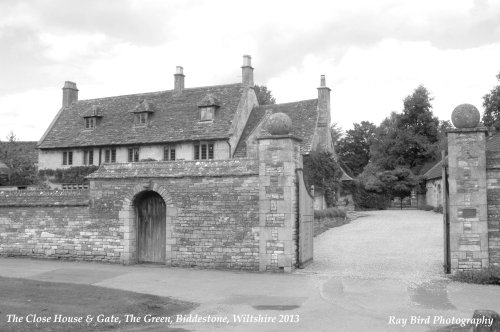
(435, 172)
(493, 142)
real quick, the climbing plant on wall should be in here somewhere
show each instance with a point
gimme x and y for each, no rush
(69, 175)
(322, 170)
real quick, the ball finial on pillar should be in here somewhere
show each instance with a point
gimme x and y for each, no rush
(465, 116)
(279, 124)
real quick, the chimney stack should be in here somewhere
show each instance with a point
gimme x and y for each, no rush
(324, 103)
(324, 119)
(247, 71)
(70, 93)
(179, 80)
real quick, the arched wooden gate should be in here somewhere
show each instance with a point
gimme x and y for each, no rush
(151, 228)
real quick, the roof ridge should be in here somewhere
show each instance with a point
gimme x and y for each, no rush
(158, 92)
(288, 103)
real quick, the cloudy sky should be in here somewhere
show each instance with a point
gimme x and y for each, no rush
(373, 53)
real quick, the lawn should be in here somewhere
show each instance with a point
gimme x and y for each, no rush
(56, 302)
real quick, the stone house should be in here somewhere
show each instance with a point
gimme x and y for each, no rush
(433, 185)
(187, 177)
(205, 123)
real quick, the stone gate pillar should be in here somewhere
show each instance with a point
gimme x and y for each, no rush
(279, 156)
(467, 191)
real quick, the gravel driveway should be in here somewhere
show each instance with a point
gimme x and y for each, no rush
(406, 245)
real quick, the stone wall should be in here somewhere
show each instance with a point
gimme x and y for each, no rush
(493, 174)
(55, 224)
(231, 214)
(212, 209)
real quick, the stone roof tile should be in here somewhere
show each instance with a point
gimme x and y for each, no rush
(304, 115)
(176, 118)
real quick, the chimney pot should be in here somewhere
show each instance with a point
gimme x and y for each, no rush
(247, 60)
(179, 70)
(70, 93)
(322, 81)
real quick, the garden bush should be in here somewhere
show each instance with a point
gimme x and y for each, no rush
(489, 276)
(438, 209)
(427, 207)
(329, 213)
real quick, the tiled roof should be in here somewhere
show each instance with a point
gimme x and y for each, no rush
(435, 172)
(176, 117)
(493, 143)
(304, 115)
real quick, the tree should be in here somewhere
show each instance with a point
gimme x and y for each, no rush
(264, 95)
(409, 139)
(336, 132)
(353, 150)
(16, 156)
(491, 103)
(398, 182)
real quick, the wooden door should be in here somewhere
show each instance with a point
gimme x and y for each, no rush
(151, 228)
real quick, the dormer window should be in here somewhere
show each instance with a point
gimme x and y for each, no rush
(143, 112)
(208, 107)
(91, 117)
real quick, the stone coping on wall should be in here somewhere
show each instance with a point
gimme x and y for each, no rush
(42, 197)
(467, 130)
(177, 169)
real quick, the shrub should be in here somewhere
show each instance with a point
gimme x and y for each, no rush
(75, 174)
(427, 207)
(438, 209)
(489, 276)
(329, 213)
(322, 171)
(363, 199)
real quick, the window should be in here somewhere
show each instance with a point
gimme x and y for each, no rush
(68, 158)
(169, 153)
(141, 118)
(203, 150)
(133, 154)
(90, 123)
(88, 157)
(207, 113)
(110, 155)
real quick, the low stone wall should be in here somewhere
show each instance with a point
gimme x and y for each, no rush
(54, 224)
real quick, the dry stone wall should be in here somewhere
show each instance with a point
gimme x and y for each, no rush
(55, 224)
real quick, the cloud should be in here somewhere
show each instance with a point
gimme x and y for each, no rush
(21, 58)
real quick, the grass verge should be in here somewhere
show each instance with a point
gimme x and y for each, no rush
(47, 300)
